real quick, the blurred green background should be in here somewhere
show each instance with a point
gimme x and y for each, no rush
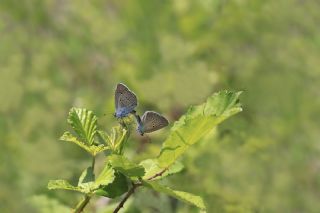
(55, 54)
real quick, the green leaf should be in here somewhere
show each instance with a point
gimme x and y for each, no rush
(86, 183)
(63, 184)
(183, 196)
(84, 123)
(126, 167)
(93, 149)
(196, 123)
(117, 188)
(116, 139)
(106, 177)
(152, 168)
(67, 136)
(86, 180)
(106, 138)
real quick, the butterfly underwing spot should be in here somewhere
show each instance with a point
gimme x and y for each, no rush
(151, 121)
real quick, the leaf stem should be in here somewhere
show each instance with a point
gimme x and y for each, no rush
(125, 198)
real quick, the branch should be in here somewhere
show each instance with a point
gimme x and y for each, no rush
(158, 174)
(134, 186)
(130, 192)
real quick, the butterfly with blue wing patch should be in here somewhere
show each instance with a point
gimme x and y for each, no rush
(125, 101)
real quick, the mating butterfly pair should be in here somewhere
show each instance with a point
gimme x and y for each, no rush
(126, 102)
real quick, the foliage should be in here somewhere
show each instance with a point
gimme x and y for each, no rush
(84, 124)
(111, 182)
(184, 196)
(59, 54)
(197, 123)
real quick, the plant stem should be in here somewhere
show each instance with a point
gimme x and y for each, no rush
(93, 163)
(129, 193)
(82, 204)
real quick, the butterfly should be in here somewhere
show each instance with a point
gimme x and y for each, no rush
(125, 101)
(150, 122)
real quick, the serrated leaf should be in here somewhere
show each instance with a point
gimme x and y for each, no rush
(105, 138)
(115, 189)
(116, 139)
(126, 167)
(180, 195)
(93, 149)
(63, 184)
(68, 137)
(84, 123)
(196, 123)
(105, 177)
(86, 180)
(152, 168)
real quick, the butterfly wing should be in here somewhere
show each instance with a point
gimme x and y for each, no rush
(125, 98)
(153, 121)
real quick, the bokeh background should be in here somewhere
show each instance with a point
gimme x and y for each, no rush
(55, 54)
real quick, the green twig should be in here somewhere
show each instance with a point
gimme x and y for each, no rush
(93, 163)
(82, 204)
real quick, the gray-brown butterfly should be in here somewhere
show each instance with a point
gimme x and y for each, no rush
(125, 101)
(150, 122)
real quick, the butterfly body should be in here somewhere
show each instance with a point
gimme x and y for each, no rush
(123, 112)
(125, 101)
(150, 122)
